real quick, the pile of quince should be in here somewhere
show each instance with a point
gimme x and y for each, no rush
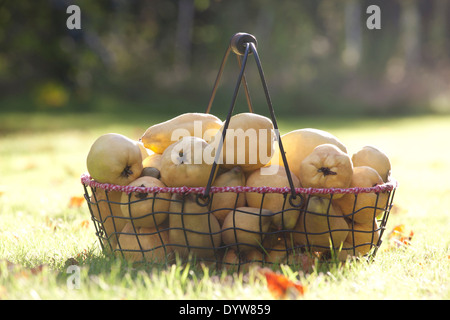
(231, 227)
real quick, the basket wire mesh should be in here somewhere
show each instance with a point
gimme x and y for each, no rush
(109, 226)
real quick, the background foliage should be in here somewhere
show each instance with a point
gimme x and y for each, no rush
(318, 55)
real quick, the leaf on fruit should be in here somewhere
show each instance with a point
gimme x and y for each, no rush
(281, 287)
(400, 236)
(76, 201)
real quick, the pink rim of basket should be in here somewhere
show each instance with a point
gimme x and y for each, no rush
(88, 181)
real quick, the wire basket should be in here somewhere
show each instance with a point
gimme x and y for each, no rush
(308, 220)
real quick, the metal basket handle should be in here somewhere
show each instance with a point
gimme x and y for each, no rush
(244, 44)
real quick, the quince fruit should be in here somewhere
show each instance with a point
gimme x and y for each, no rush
(363, 207)
(326, 167)
(146, 209)
(285, 215)
(248, 142)
(184, 164)
(298, 144)
(114, 158)
(375, 158)
(160, 136)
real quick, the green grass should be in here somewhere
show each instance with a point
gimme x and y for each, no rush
(42, 157)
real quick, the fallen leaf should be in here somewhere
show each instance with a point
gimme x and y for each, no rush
(84, 224)
(76, 201)
(281, 287)
(83, 255)
(38, 269)
(398, 229)
(400, 236)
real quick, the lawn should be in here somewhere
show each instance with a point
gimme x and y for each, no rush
(43, 229)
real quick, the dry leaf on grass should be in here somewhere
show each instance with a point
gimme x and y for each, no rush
(84, 224)
(19, 271)
(281, 287)
(400, 236)
(76, 201)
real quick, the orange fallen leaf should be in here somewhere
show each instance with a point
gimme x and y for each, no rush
(76, 201)
(84, 224)
(83, 255)
(281, 287)
(400, 237)
(398, 229)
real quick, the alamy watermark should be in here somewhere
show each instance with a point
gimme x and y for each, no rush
(74, 20)
(372, 22)
(248, 147)
(73, 280)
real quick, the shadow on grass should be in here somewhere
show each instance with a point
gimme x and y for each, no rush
(108, 264)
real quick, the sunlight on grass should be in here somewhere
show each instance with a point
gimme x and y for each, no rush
(40, 171)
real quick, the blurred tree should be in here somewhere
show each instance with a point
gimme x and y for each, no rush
(183, 38)
(318, 55)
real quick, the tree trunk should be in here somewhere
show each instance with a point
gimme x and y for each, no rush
(439, 27)
(410, 33)
(353, 43)
(183, 39)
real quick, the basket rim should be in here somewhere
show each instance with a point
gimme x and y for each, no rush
(87, 180)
